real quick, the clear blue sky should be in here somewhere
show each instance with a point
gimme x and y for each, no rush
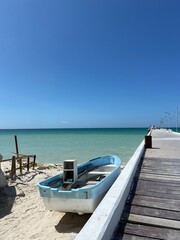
(88, 63)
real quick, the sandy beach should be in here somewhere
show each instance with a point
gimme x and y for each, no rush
(22, 212)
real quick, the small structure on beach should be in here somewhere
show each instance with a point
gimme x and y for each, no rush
(19, 161)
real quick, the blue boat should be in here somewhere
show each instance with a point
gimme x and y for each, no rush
(80, 188)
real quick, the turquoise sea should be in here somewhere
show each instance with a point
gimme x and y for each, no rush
(56, 145)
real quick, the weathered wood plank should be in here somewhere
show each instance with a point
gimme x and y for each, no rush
(161, 163)
(158, 222)
(156, 182)
(160, 191)
(158, 176)
(149, 178)
(131, 237)
(157, 194)
(168, 170)
(163, 172)
(147, 201)
(154, 212)
(141, 230)
(153, 186)
(161, 166)
(158, 159)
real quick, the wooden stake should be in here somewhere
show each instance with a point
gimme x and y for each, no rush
(13, 167)
(28, 164)
(16, 144)
(34, 161)
(20, 165)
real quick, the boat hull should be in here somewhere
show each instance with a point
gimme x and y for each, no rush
(75, 205)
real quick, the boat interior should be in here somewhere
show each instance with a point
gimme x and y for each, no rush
(90, 178)
(85, 179)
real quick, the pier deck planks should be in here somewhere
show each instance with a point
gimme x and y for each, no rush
(152, 210)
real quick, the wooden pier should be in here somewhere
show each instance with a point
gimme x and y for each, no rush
(152, 210)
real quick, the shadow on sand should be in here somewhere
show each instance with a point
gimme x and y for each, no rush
(72, 222)
(7, 197)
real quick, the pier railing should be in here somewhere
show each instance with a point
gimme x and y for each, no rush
(105, 218)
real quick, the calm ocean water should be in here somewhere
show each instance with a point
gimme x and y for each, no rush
(56, 145)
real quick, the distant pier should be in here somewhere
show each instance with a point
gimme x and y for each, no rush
(144, 202)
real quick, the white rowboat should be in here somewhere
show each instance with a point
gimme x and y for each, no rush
(80, 188)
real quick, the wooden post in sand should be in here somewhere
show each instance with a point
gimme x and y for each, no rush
(28, 164)
(17, 154)
(16, 144)
(20, 164)
(34, 161)
(13, 167)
